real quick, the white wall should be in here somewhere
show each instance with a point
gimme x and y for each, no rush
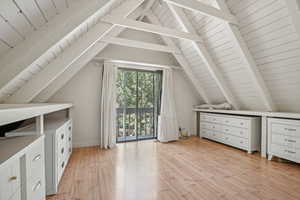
(84, 89)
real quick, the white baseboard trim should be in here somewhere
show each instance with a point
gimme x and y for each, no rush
(77, 144)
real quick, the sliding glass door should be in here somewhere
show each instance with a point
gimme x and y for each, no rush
(138, 100)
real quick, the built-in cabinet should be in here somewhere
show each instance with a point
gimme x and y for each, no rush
(41, 148)
(237, 131)
(23, 173)
(58, 150)
(284, 139)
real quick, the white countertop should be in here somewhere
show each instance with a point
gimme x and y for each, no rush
(16, 112)
(253, 113)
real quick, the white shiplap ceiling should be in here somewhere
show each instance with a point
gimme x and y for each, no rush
(265, 25)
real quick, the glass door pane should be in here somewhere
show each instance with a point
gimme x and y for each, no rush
(146, 105)
(126, 106)
(138, 104)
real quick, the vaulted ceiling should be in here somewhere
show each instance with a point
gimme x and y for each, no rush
(245, 52)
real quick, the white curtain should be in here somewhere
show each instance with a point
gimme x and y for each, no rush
(108, 107)
(168, 124)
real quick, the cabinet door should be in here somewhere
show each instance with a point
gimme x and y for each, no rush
(10, 180)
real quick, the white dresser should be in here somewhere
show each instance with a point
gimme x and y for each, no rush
(58, 150)
(237, 131)
(22, 174)
(284, 139)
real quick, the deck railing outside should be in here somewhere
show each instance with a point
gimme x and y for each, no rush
(127, 123)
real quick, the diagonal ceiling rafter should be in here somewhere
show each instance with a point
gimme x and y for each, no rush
(205, 55)
(182, 61)
(39, 82)
(251, 66)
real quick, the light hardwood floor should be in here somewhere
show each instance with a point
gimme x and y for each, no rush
(192, 169)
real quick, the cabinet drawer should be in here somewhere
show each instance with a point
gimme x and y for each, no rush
(241, 123)
(236, 141)
(36, 190)
(240, 132)
(289, 141)
(285, 129)
(206, 133)
(217, 136)
(35, 160)
(211, 118)
(284, 151)
(60, 169)
(211, 126)
(10, 180)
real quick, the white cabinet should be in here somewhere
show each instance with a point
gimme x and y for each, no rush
(35, 170)
(22, 175)
(238, 131)
(58, 150)
(284, 139)
(10, 180)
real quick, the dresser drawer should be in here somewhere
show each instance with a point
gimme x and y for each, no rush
(36, 189)
(206, 133)
(211, 126)
(10, 180)
(284, 151)
(217, 136)
(240, 132)
(285, 129)
(236, 141)
(61, 135)
(35, 160)
(289, 141)
(60, 169)
(236, 122)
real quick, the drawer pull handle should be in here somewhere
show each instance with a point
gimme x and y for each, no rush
(70, 150)
(62, 136)
(62, 150)
(13, 178)
(290, 129)
(62, 165)
(242, 123)
(241, 142)
(292, 152)
(36, 158)
(293, 141)
(70, 128)
(69, 138)
(37, 186)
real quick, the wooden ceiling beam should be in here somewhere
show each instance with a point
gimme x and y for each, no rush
(197, 6)
(138, 44)
(205, 55)
(251, 66)
(65, 60)
(142, 26)
(182, 61)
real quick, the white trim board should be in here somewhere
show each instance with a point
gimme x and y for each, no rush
(197, 6)
(142, 26)
(138, 44)
(134, 65)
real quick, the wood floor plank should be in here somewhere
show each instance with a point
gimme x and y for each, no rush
(193, 169)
